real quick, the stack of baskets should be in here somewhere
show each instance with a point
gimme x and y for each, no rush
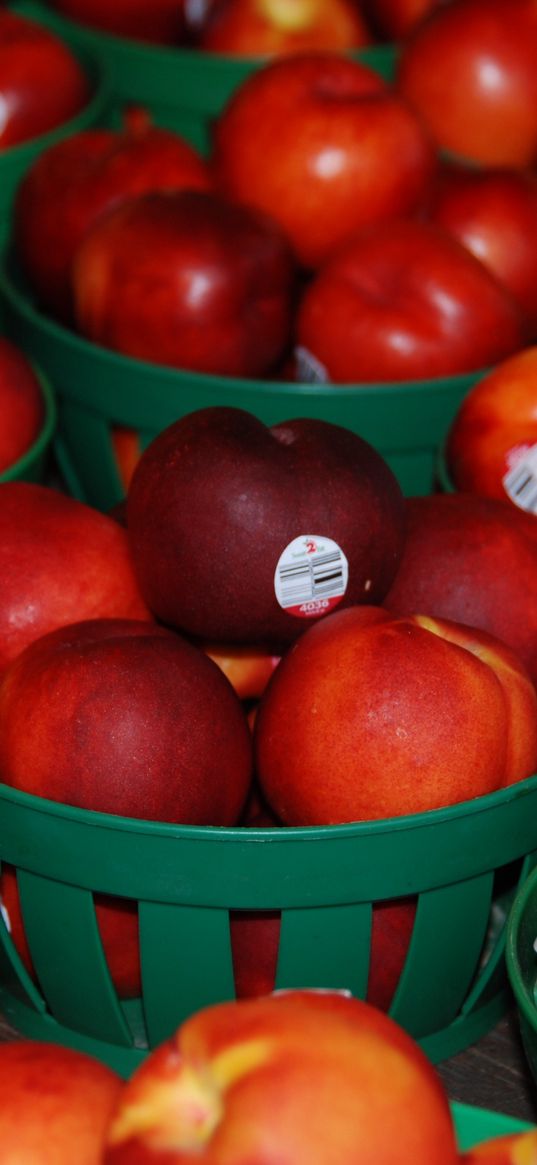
(464, 863)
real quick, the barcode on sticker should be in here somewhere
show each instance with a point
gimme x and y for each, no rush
(319, 578)
(520, 482)
(311, 576)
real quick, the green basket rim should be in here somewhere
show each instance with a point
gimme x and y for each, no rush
(44, 438)
(514, 921)
(281, 834)
(470, 1121)
(22, 301)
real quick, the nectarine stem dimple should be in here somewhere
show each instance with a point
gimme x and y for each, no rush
(177, 1114)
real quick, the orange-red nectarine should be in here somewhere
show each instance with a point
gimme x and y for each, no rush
(56, 1104)
(373, 715)
(301, 1076)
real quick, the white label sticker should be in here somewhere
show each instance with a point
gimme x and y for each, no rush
(196, 12)
(520, 481)
(311, 576)
(5, 915)
(309, 369)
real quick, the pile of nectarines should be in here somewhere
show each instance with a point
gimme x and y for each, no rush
(270, 636)
(293, 250)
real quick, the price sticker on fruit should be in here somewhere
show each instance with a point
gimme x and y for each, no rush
(520, 481)
(311, 576)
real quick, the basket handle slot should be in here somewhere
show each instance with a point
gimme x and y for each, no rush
(67, 953)
(89, 434)
(197, 969)
(14, 977)
(447, 940)
(493, 975)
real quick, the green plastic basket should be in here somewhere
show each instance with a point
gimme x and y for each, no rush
(97, 389)
(474, 1125)
(15, 161)
(463, 862)
(33, 465)
(183, 87)
(521, 956)
(443, 480)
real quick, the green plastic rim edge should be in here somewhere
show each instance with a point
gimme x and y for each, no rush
(474, 1125)
(525, 895)
(28, 467)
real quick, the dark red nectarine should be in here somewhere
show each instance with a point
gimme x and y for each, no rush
(242, 533)
(472, 559)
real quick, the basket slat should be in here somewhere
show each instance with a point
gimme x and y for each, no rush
(180, 973)
(447, 939)
(76, 983)
(333, 939)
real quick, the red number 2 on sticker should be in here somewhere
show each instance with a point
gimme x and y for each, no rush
(311, 547)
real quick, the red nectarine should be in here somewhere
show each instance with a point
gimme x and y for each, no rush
(75, 181)
(60, 561)
(276, 27)
(125, 717)
(21, 404)
(42, 82)
(403, 301)
(511, 1149)
(190, 279)
(325, 146)
(491, 444)
(469, 70)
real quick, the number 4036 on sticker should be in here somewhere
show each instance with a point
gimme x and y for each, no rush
(311, 576)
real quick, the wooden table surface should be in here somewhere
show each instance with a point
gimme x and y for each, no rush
(493, 1074)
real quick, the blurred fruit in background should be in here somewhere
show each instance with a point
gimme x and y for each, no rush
(278, 27)
(469, 71)
(491, 448)
(307, 141)
(74, 182)
(158, 22)
(42, 83)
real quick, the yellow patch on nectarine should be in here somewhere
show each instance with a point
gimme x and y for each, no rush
(179, 1112)
(238, 1060)
(290, 15)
